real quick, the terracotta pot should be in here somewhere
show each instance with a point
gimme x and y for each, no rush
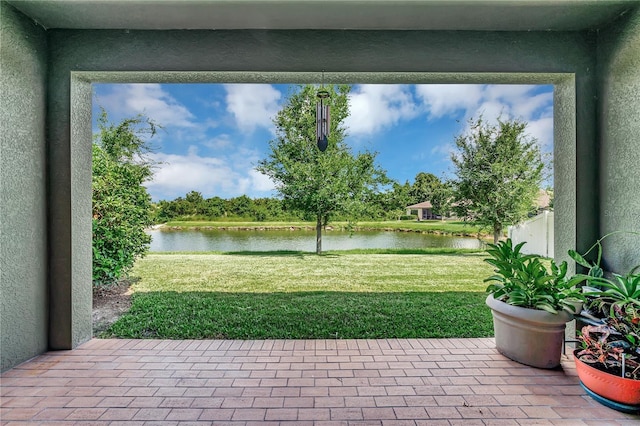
(529, 336)
(609, 386)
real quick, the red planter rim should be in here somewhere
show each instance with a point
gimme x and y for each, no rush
(609, 386)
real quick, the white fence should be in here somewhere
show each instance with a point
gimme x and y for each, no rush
(537, 232)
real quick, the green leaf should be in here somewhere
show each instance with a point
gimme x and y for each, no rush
(579, 259)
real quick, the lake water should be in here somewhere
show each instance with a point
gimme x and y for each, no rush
(298, 240)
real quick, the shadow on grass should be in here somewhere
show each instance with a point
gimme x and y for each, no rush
(294, 253)
(428, 250)
(335, 253)
(304, 315)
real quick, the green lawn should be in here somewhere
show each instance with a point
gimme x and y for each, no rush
(428, 226)
(304, 296)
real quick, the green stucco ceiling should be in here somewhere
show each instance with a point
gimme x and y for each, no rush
(480, 15)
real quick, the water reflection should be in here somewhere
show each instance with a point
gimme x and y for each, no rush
(262, 240)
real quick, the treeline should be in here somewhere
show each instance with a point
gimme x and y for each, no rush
(194, 206)
(385, 205)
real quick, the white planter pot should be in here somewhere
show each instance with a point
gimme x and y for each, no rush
(528, 336)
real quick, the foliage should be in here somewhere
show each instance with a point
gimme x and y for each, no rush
(594, 269)
(618, 292)
(300, 295)
(617, 338)
(194, 207)
(121, 205)
(423, 187)
(523, 280)
(397, 200)
(607, 292)
(442, 199)
(317, 183)
(389, 203)
(499, 171)
(613, 336)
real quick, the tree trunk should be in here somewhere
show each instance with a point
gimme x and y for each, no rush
(319, 234)
(497, 233)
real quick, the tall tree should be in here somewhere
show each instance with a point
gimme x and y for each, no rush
(196, 203)
(215, 207)
(399, 197)
(121, 204)
(240, 206)
(499, 170)
(314, 182)
(442, 199)
(423, 187)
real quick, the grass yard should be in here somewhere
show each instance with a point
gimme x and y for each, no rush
(304, 296)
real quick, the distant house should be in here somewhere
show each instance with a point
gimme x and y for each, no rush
(424, 209)
(543, 201)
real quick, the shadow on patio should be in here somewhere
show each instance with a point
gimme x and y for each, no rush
(373, 382)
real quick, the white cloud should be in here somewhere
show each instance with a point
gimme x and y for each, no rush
(491, 110)
(448, 99)
(220, 142)
(542, 130)
(443, 150)
(148, 99)
(376, 106)
(527, 107)
(515, 102)
(252, 105)
(261, 182)
(509, 93)
(471, 100)
(491, 101)
(212, 176)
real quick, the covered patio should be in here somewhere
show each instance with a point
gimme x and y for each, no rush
(53, 51)
(320, 382)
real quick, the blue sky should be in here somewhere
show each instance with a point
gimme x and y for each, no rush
(214, 134)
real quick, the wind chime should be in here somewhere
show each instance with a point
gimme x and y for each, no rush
(323, 116)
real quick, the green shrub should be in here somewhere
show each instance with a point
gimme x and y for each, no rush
(121, 205)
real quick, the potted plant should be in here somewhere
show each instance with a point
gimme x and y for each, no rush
(530, 304)
(608, 359)
(603, 293)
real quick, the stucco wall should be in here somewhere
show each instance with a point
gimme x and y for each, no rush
(23, 216)
(619, 121)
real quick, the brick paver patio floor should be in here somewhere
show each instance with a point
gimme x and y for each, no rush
(320, 382)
